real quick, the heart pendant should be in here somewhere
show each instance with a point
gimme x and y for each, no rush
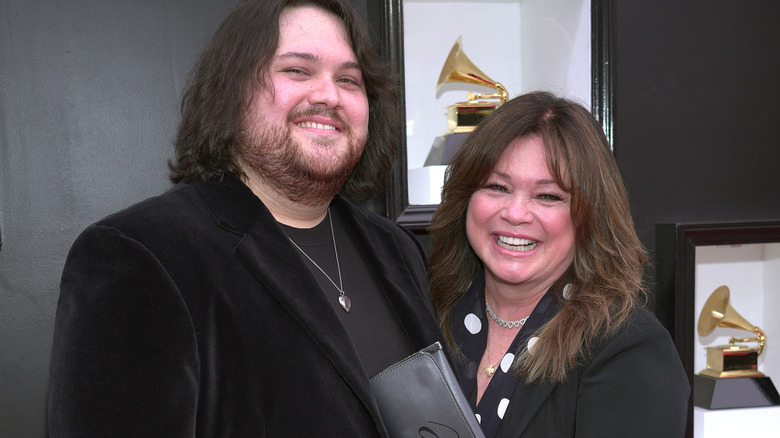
(345, 302)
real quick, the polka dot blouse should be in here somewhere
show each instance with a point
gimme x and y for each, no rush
(469, 324)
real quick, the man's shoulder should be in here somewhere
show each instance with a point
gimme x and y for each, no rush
(178, 217)
(172, 207)
(364, 217)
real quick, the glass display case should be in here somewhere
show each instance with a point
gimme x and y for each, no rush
(561, 46)
(692, 262)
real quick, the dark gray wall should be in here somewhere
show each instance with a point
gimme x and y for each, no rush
(697, 92)
(89, 105)
(89, 95)
(697, 87)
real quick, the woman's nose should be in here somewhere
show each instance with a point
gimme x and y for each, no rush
(517, 210)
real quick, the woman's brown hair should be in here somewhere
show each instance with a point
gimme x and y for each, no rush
(609, 259)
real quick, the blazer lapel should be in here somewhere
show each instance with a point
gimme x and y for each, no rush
(525, 403)
(281, 270)
(527, 399)
(407, 298)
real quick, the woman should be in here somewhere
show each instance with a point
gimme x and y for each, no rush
(536, 275)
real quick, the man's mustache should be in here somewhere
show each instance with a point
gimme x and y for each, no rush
(318, 111)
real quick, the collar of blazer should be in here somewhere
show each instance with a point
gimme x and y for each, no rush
(263, 247)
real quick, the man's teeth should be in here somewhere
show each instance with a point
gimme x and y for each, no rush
(516, 244)
(315, 125)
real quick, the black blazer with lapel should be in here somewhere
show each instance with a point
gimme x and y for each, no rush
(634, 386)
(189, 314)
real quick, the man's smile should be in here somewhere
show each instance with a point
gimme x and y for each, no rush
(315, 125)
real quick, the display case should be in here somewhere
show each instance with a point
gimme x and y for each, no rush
(692, 261)
(555, 45)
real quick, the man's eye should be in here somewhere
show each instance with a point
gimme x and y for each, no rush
(350, 81)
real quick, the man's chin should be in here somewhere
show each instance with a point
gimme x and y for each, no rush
(315, 193)
(303, 171)
(328, 167)
(319, 175)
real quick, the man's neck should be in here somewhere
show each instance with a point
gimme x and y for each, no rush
(283, 209)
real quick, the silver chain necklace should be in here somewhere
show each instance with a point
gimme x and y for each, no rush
(344, 300)
(502, 322)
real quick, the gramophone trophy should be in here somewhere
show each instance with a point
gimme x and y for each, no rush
(731, 378)
(463, 117)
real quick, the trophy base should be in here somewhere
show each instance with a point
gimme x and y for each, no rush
(444, 148)
(716, 374)
(736, 392)
(466, 116)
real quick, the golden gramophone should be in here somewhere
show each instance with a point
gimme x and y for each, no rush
(458, 68)
(731, 379)
(732, 360)
(463, 117)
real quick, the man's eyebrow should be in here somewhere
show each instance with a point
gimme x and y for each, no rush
(303, 56)
(351, 65)
(312, 58)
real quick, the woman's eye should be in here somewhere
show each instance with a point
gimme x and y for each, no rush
(496, 187)
(550, 197)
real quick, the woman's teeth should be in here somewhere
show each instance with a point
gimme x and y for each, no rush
(516, 244)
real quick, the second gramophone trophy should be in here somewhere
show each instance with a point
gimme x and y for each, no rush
(462, 117)
(731, 378)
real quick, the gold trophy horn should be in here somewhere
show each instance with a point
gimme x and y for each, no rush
(463, 117)
(459, 68)
(731, 360)
(731, 379)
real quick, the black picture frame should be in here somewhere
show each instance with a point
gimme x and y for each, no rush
(675, 266)
(418, 217)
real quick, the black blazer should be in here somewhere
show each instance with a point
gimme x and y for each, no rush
(635, 386)
(188, 314)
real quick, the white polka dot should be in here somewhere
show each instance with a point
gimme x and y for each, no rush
(567, 291)
(506, 362)
(502, 405)
(473, 323)
(531, 343)
(479, 418)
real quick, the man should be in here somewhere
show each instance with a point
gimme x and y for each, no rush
(251, 299)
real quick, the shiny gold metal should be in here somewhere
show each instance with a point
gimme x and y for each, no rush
(458, 68)
(731, 360)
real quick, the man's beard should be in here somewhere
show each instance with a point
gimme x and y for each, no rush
(279, 160)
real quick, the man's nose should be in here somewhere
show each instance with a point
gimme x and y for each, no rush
(324, 91)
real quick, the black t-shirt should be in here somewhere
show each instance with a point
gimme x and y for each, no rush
(370, 322)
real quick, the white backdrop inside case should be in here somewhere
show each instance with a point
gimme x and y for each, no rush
(525, 45)
(752, 274)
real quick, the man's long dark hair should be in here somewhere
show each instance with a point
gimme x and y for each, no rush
(236, 61)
